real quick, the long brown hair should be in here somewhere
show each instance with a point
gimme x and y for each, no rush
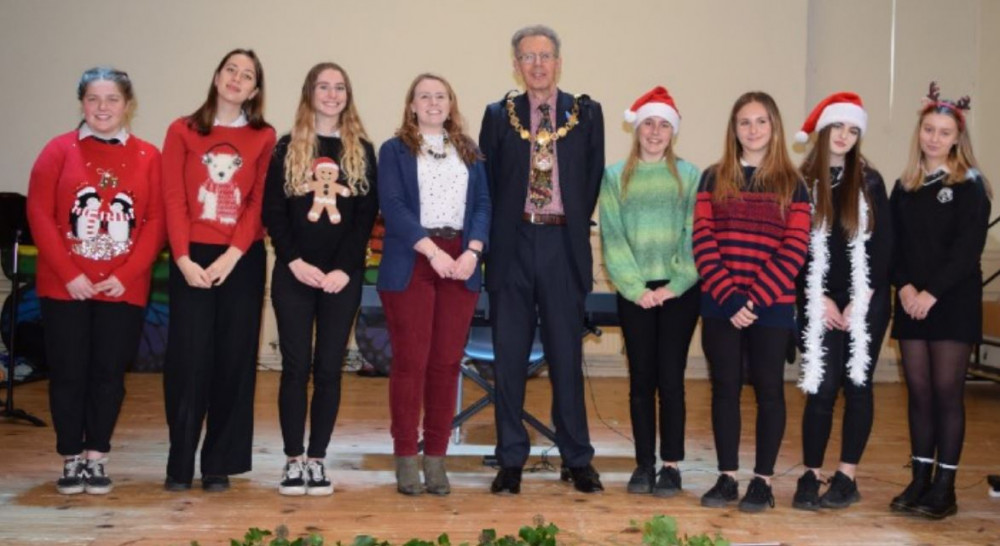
(776, 173)
(409, 131)
(203, 118)
(302, 148)
(633, 160)
(960, 157)
(816, 170)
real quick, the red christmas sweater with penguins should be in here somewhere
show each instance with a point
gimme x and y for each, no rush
(96, 209)
(748, 249)
(213, 185)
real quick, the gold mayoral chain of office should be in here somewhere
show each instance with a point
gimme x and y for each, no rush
(543, 137)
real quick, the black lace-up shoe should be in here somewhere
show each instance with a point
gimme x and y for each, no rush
(758, 498)
(668, 482)
(807, 492)
(725, 492)
(842, 493)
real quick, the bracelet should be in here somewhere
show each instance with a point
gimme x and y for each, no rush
(477, 253)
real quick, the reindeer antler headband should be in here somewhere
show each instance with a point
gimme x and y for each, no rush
(933, 101)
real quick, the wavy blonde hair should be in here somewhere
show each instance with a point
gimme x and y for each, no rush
(960, 157)
(302, 148)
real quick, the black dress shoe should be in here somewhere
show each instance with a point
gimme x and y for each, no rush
(507, 482)
(586, 479)
(215, 484)
(171, 484)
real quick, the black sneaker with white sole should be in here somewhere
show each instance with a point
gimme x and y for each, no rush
(72, 480)
(759, 496)
(293, 479)
(97, 482)
(317, 484)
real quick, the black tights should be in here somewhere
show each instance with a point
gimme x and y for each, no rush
(935, 377)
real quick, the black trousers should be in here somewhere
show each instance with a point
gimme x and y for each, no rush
(88, 346)
(298, 308)
(543, 286)
(764, 349)
(211, 365)
(817, 418)
(657, 342)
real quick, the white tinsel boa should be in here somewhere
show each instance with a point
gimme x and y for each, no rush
(857, 326)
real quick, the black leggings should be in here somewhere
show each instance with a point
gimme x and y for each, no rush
(297, 308)
(764, 349)
(935, 378)
(657, 342)
(817, 419)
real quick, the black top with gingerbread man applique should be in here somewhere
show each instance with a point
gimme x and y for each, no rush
(324, 244)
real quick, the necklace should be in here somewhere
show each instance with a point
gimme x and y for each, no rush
(434, 153)
(543, 137)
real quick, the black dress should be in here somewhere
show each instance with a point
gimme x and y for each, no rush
(940, 232)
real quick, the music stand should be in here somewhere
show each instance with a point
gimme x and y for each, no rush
(12, 227)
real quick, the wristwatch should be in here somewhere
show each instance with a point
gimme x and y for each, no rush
(477, 253)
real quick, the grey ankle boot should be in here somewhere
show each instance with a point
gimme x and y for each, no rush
(408, 476)
(435, 476)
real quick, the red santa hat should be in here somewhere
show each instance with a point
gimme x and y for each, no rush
(656, 102)
(840, 107)
(324, 163)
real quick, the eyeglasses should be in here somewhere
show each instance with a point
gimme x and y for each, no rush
(531, 58)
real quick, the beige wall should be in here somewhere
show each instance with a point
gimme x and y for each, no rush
(706, 52)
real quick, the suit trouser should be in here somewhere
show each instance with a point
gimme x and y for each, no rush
(859, 411)
(211, 365)
(764, 348)
(297, 308)
(657, 342)
(542, 285)
(88, 346)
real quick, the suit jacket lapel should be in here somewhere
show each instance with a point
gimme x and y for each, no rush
(409, 163)
(564, 147)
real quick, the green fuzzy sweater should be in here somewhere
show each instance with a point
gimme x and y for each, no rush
(646, 235)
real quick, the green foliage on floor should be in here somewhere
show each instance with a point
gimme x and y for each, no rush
(657, 531)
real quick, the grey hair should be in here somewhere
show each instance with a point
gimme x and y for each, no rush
(534, 30)
(105, 73)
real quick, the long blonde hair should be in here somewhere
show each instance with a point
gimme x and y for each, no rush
(960, 157)
(776, 173)
(302, 148)
(409, 131)
(633, 160)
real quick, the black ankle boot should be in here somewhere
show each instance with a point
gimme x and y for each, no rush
(939, 501)
(908, 499)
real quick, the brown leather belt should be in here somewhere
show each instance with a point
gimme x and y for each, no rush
(444, 232)
(544, 219)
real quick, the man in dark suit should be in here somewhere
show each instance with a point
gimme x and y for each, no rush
(545, 158)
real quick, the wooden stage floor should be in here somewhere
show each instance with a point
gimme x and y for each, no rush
(140, 512)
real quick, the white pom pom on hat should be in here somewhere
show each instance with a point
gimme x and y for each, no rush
(843, 107)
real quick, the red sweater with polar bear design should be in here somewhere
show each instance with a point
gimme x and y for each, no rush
(96, 209)
(213, 184)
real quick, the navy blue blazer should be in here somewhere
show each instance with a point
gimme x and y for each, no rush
(581, 166)
(399, 198)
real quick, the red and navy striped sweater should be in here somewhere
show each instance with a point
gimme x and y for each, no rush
(746, 249)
